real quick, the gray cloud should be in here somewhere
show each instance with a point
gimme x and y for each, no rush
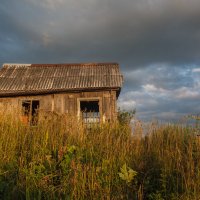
(161, 75)
(166, 92)
(136, 33)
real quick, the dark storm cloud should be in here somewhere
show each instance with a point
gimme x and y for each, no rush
(156, 42)
(137, 33)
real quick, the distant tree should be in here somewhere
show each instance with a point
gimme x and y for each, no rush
(125, 117)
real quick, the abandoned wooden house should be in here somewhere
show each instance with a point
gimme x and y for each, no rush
(89, 90)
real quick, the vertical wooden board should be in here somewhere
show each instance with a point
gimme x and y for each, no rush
(1, 106)
(71, 104)
(84, 94)
(75, 105)
(105, 93)
(13, 104)
(113, 105)
(101, 105)
(77, 95)
(106, 107)
(106, 104)
(99, 94)
(62, 104)
(46, 102)
(66, 102)
(49, 102)
(9, 105)
(42, 103)
(58, 103)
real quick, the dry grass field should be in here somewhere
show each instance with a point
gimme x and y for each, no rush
(60, 159)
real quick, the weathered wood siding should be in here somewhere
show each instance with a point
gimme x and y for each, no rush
(66, 103)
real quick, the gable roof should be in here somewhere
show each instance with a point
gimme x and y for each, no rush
(27, 79)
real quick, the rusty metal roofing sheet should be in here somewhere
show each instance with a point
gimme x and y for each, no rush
(37, 78)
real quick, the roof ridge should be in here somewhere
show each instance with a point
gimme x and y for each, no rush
(57, 64)
(16, 64)
(75, 64)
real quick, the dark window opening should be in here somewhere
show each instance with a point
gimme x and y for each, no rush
(34, 112)
(26, 107)
(30, 112)
(90, 111)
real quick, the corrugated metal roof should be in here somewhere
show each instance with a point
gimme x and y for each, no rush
(18, 79)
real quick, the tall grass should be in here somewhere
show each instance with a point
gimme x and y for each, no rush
(60, 159)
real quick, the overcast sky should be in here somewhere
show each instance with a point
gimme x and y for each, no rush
(156, 43)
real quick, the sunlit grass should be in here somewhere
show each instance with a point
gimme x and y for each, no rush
(60, 159)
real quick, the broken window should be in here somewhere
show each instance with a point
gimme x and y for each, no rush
(30, 110)
(26, 105)
(90, 111)
(34, 112)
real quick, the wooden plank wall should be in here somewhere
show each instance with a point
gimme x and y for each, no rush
(66, 102)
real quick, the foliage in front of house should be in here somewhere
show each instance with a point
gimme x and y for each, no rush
(60, 159)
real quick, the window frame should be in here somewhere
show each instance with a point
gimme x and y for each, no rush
(99, 99)
(30, 115)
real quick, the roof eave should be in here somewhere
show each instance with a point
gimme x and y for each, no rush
(43, 92)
